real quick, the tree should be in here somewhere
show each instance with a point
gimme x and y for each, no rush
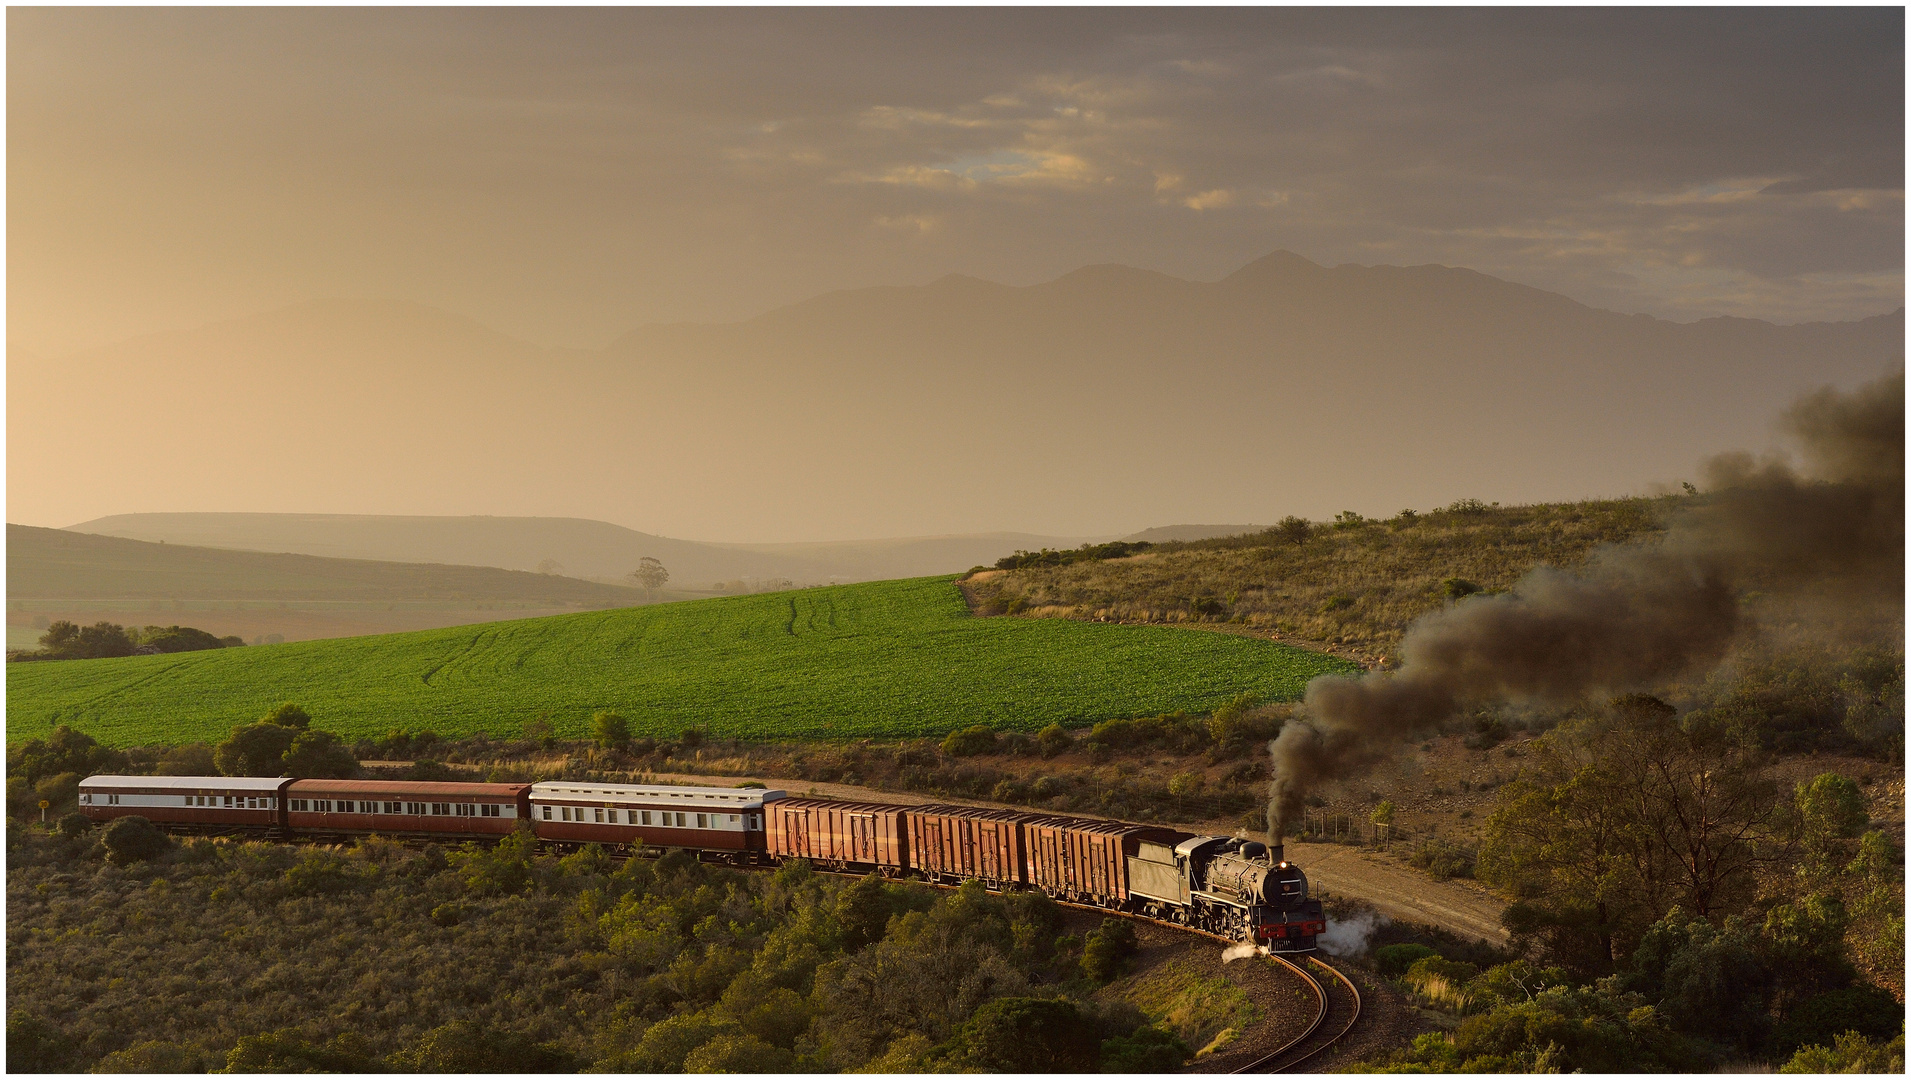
(1294, 530)
(549, 566)
(318, 755)
(1052, 740)
(64, 750)
(611, 731)
(465, 1046)
(254, 750)
(1148, 1049)
(1030, 1035)
(65, 641)
(133, 839)
(289, 714)
(863, 911)
(650, 576)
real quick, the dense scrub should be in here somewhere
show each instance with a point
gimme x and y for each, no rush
(1355, 581)
(278, 958)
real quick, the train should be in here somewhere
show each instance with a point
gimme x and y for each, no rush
(1227, 886)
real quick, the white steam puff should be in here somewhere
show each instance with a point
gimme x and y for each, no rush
(1348, 937)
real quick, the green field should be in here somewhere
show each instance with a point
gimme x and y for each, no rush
(892, 658)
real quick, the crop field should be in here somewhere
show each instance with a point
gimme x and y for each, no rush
(892, 658)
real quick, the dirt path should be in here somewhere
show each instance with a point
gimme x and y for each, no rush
(1398, 892)
(1402, 893)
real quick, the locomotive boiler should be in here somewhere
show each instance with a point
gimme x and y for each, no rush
(1237, 888)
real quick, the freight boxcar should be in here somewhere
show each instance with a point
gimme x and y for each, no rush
(955, 843)
(725, 820)
(839, 835)
(341, 808)
(1086, 861)
(203, 804)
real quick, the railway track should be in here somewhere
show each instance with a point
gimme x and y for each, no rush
(1320, 1035)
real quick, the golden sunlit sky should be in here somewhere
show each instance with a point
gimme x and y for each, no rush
(565, 176)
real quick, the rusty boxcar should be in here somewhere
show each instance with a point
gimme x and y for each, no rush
(839, 835)
(955, 843)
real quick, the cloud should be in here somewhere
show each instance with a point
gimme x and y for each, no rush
(1209, 200)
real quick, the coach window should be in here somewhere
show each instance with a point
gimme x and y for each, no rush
(599, 815)
(680, 821)
(703, 822)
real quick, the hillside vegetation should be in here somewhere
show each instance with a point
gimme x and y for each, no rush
(1356, 582)
(886, 658)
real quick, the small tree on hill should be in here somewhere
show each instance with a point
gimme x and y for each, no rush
(611, 731)
(1294, 530)
(649, 576)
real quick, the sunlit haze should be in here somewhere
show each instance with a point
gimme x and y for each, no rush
(415, 261)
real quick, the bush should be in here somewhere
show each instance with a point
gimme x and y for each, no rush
(318, 755)
(1455, 588)
(36, 1046)
(611, 731)
(738, 1054)
(465, 1047)
(1053, 740)
(287, 1051)
(1106, 948)
(1029, 1035)
(1394, 960)
(75, 825)
(133, 839)
(1148, 1050)
(969, 741)
(1848, 1053)
(1818, 1021)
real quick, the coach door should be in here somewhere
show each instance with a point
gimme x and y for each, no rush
(862, 838)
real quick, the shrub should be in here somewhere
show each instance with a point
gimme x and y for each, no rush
(1106, 948)
(287, 1051)
(738, 1054)
(133, 839)
(969, 741)
(74, 825)
(319, 755)
(1148, 1050)
(1293, 530)
(36, 1046)
(1454, 588)
(1029, 1035)
(1818, 1021)
(1848, 1053)
(611, 731)
(1394, 960)
(466, 1047)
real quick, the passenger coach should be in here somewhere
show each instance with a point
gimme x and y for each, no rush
(709, 818)
(189, 803)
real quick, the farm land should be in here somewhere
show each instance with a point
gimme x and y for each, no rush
(885, 659)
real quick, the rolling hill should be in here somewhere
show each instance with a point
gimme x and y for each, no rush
(581, 547)
(57, 563)
(890, 658)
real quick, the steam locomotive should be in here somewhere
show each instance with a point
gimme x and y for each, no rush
(1231, 887)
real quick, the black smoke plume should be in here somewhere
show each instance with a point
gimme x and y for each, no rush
(1639, 615)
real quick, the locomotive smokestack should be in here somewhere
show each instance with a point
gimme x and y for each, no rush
(1827, 540)
(1277, 853)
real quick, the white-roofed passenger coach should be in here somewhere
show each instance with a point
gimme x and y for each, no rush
(578, 812)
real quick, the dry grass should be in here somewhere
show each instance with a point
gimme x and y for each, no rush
(1352, 585)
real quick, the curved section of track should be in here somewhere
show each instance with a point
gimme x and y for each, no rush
(1320, 1034)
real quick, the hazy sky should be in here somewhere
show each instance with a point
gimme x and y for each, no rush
(564, 176)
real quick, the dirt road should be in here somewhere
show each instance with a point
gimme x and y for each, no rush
(1399, 892)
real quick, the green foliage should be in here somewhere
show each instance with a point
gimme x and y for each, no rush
(177, 639)
(1395, 960)
(64, 750)
(1114, 549)
(1850, 1052)
(65, 641)
(1383, 814)
(738, 1054)
(1293, 530)
(318, 754)
(1107, 948)
(884, 658)
(1558, 1030)
(35, 1046)
(133, 839)
(1148, 1050)
(75, 825)
(466, 1047)
(1455, 588)
(289, 714)
(1053, 740)
(969, 741)
(1818, 1021)
(254, 750)
(611, 731)
(287, 1051)
(1831, 808)
(1029, 1035)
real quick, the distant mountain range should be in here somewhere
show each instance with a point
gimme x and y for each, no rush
(1109, 395)
(575, 547)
